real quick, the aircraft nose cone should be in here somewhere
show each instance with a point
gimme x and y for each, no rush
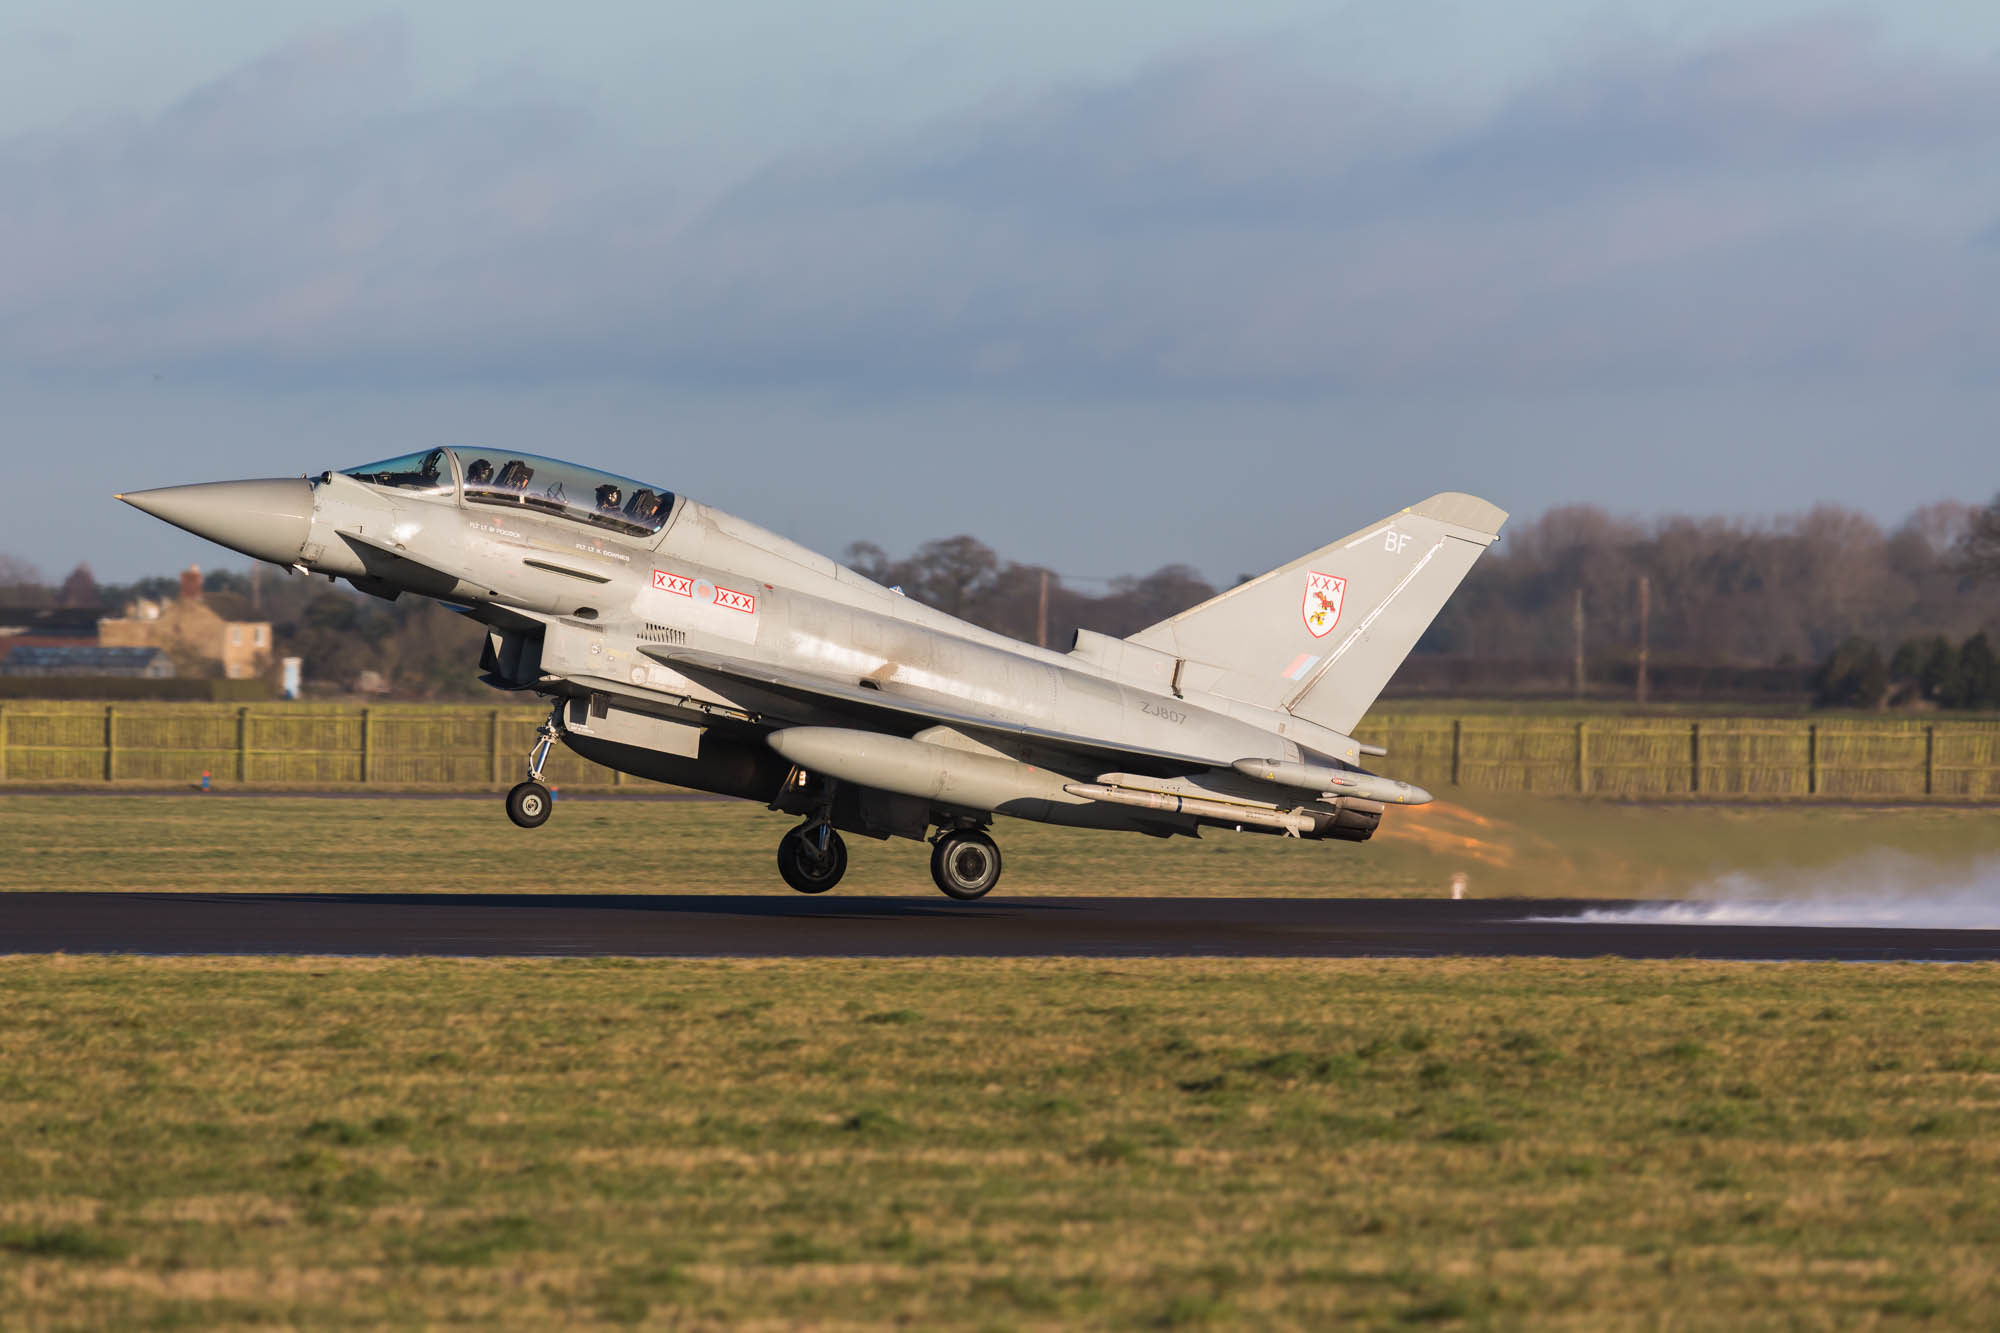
(266, 519)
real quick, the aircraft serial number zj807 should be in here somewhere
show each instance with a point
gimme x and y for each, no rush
(685, 645)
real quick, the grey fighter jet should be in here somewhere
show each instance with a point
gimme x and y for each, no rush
(682, 644)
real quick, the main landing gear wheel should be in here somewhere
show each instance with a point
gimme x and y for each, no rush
(529, 804)
(812, 860)
(965, 864)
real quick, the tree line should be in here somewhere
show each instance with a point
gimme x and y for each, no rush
(1829, 587)
(1771, 592)
(1934, 671)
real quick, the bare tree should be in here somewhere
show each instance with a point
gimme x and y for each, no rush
(79, 589)
(21, 583)
(1978, 550)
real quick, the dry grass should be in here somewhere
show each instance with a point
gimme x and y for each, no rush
(1516, 845)
(199, 1144)
(306, 845)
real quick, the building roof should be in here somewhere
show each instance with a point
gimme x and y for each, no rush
(37, 659)
(232, 607)
(66, 621)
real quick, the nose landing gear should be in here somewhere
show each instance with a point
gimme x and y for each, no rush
(530, 803)
(965, 863)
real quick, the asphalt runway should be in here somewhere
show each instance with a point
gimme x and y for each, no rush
(787, 925)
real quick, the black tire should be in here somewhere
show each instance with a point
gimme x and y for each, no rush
(530, 805)
(802, 865)
(965, 864)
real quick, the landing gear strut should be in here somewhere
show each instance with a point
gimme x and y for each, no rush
(530, 803)
(812, 857)
(965, 863)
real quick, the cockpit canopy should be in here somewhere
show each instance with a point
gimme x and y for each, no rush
(528, 481)
(430, 472)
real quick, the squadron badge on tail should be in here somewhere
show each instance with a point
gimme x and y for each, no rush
(1321, 607)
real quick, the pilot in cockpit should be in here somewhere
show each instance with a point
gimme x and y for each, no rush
(480, 473)
(608, 498)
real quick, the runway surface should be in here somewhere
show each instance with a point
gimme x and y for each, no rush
(786, 925)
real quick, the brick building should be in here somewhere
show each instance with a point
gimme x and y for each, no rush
(193, 629)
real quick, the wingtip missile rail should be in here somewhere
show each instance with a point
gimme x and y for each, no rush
(1333, 781)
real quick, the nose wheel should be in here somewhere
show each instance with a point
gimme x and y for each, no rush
(812, 858)
(966, 864)
(530, 803)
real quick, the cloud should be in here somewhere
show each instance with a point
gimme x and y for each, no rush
(1803, 201)
(305, 214)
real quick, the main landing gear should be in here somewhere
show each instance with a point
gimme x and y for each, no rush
(812, 857)
(530, 803)
(965, 863)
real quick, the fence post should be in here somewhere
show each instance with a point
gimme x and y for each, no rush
(1582, 758)
(1457, 728)
(1812, 759)
(1930, 758)
(1694, 758)
(367, 743)
(3, 742)
(493, 745)
(110, 741)
(243, 745)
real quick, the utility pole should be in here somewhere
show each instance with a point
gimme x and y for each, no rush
(1042, 615)
(1576, 623)
(1645, 626)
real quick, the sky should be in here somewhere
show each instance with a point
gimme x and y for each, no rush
(1108, 285)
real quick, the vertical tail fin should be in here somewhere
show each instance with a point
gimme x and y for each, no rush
(1321, 636)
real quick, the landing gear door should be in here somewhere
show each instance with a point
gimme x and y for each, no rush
(598, 717)
(510, 660)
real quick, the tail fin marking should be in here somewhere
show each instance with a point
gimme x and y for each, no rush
(1258, 643)
(1367, 622)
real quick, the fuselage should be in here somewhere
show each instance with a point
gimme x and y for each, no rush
(685, 644)
(708, 580)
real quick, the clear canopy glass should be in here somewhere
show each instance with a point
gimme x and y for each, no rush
(601, 499)
(429, 471)
(530, 481)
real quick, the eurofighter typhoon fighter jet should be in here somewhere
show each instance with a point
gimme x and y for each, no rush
(682, 644)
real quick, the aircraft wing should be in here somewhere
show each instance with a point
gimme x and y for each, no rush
(882, 705)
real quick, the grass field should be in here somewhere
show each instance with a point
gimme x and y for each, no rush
(197, 1144)
(1526, 845)
(985, 1144)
